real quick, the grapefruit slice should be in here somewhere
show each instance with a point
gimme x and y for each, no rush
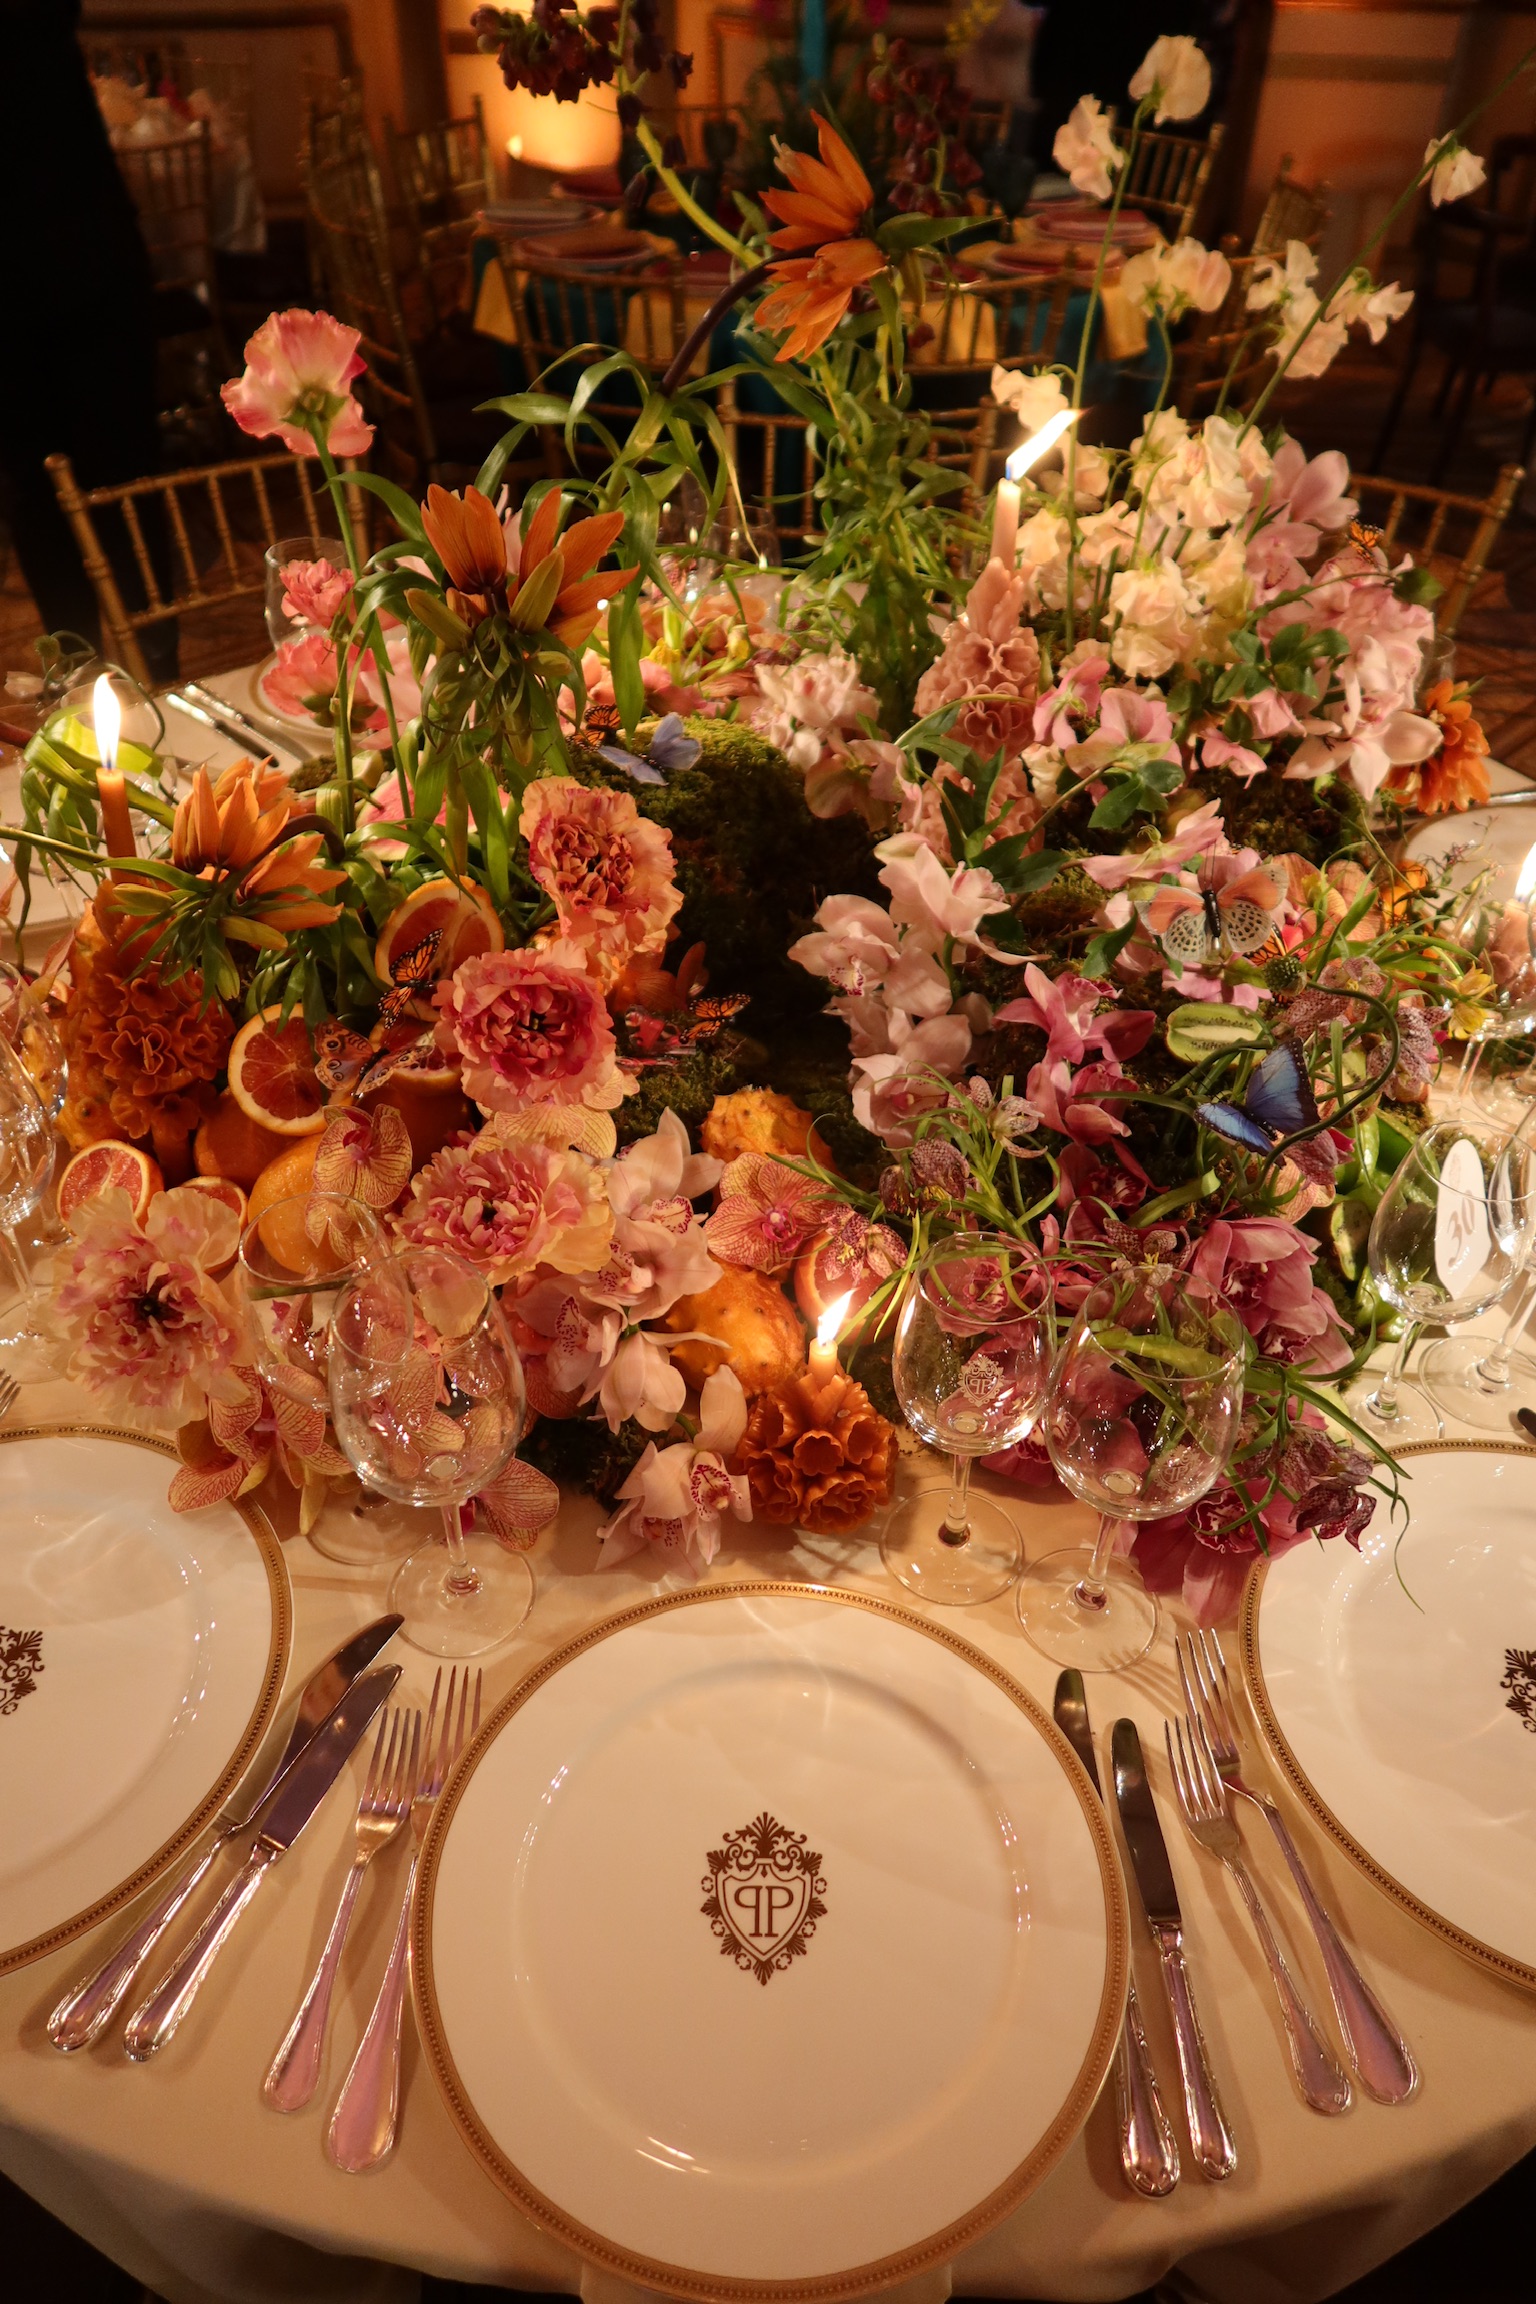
(462, 918)
(106, 1167)
(223, 1188)
(272, 1075)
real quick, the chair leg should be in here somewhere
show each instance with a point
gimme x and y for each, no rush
(1395, 408)
(1528, 435)
(1450, 433)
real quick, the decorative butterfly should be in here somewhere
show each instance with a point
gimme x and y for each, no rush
(344, 1060)
(1363, 536)
(601, 723)
(1278, 1102)
(669, 750)
(415, 967)
(1409, 880)
(1198, 925)
(663, 1039)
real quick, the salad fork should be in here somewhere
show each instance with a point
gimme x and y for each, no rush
(1319, 2074)
(1380, 2056)
(295, 2070)
(366, 2120)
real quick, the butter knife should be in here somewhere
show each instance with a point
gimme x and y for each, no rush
(88, 2007)
(1149, 2156)
(283, 1817)
(1215, 2151)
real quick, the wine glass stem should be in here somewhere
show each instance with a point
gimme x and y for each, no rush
(461, 1580)
(957, 1512)
(1385, 1402)
(1493, 1368)
(1089, 1590)
(1469, 1064)
(13, 1265)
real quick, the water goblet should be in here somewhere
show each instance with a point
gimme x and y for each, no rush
(280, 625)
(26, 1026)
(295, 1259)
(972, 1348)
(428, 1402)
(26, 1166)
(1141, 1414)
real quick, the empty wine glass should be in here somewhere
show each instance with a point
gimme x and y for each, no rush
(27, 1026)
(1474, 1243)
(26, 1165)
(428, 1402)
(295, 1260)
(1449, 1236)
(1141, 1414)
(972, 1348)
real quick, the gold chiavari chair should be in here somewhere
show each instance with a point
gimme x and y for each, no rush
(1293, 211)
(1169, 176)
(443, 172)
(170, 184)
(349, 237)
(966, 330)
(566, 318)
(198, 538)
(1222, 355)
(1453, 535)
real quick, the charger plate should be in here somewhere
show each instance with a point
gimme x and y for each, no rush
(1406, 1719)
(770, 1943)
(142, 1654)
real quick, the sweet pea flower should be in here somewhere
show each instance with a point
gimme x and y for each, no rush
(1085, 149)
(1174, 280)
(1199, 834)
(1278, 281)
(1361, 303)
(1175, 73)
(676, 1498)
(298, 367)
(1159, 619)
(1453, 170)
(1033, 397)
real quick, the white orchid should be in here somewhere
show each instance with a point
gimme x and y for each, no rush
(1176, 73)
(675, 1498)
(1453, 170)
(1085, 149)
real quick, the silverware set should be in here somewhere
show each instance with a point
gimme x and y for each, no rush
(226, 719)
(1206, 1766)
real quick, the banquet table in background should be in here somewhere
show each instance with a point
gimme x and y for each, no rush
(180, 2172)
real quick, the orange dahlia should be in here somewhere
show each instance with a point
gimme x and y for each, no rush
(1453, 777)
(823, 211)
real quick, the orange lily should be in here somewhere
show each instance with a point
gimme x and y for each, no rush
(810, 294)
(823, 211)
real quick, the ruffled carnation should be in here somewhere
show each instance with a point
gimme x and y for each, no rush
(993, 659)
(528, 1030)
(506, 1209)
(607, 870)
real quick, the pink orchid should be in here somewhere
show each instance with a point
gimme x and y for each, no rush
(592, 1353)
(1066, 1008)
(854, 944)
(767, 1214)
(1201, 833)
(298, 367)
(1261, 1267)
(943, 904)
(676, 1498)
(1066, 1101)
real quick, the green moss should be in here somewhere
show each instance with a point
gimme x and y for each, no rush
(688, 1087)
(581, 1452)
(1318, 821)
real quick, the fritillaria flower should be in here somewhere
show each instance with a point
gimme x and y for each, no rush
(236, 827)
(539, 580)
(824, 211)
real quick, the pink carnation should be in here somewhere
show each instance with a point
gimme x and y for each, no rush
(301, 681)
(529, 1031)
(608, 871)
(505, 1209)
(989, 656)
(299, 365)
(314, 591)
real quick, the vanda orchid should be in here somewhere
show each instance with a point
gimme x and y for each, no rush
(686, 943)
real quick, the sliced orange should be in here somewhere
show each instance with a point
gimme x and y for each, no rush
(223, 1188)
(107, 1167)
(277, 1207)
(462, 918)
(272, 1075)
(231, 1144)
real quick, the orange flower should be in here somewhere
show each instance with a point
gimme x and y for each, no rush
(1454, 777)
(230, 822)
(490, 569)
(810, 294)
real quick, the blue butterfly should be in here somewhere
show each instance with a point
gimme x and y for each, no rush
(1278, 1102)
(670, 749)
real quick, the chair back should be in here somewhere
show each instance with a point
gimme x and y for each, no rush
(349, 240)
(197, 540)
(1169, 175)
(334, 129)
(1293, 211)
(443, 172)
(1454, 534)
(565, 319)
(170, 183)
(1222, 355)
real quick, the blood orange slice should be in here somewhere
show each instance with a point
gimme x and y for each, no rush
(106, 1167)
(272, 1075)
(462, 918)
(222, 1188)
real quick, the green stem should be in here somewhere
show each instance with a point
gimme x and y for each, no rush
(684, 198)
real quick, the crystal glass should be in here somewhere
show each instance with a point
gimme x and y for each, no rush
(295, 1259)
(1466, 1376)
(428, 1402)
(26, 1167)
(1141, 1415)
(29, 1029)
(1449, 1237)
(972, 1349)
(141, 721)
(280, 625)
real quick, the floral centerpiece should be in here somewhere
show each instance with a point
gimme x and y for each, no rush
(686, 943)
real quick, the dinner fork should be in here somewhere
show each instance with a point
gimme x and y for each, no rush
(1382, 2060)
(383, 1808)
(8, 1391)
(366, 2120)
(1319, 2074)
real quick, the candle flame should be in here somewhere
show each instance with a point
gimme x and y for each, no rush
(107, 716)
(832, 1320)
(1525, 886)
(1031, 450)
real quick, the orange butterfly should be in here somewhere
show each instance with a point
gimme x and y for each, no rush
(1198, 925)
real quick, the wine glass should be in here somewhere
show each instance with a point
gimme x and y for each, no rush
(1449, 1236)
(972, 1349)
(1464, 1376)
(428, 1402)
(1141, 1414)
(26, 1165)
(295, 1259)
(28, 1028)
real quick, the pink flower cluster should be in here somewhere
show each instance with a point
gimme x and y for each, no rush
(530, 1028)
(1074, 1098)
(606, 869)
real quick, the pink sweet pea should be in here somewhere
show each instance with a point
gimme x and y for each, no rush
(298, 367)
(1201, 833)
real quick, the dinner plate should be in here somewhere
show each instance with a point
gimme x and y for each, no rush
(142, 1653)
(1483, 837)
(770, 1943)
(1397, 1685)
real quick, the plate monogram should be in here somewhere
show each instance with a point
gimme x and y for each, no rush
(21, 1660)
(1520, 1679)
(763, 1895)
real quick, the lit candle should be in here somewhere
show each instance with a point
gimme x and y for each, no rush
(1005, 516)
(116, 823)
(824, 1350)
(514, 147)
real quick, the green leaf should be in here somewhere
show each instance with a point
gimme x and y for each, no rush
(1022, 874)
(1106, 949)
(529, 407)
(1202, 1028)
(1119, 804)
(903, 232)
(625, 647)
(1418, 585)
(438, 617)
(404, 509)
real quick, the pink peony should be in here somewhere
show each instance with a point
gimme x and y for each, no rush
(607, 870)
(505, 1209)
(149, 1328)
(529, 1031)
(992, 659)
(298, 367)
(314, 591)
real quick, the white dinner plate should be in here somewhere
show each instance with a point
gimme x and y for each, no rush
(1500, 838)
(1397, 1685)
(142, 1653)
(770, 1944)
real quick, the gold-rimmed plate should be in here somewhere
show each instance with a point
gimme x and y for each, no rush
(1397, 1687)
(142, 1654)
(770, 1943)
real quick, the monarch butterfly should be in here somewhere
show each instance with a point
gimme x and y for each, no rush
(661, 1039)
(415, 967)
(1364, 536)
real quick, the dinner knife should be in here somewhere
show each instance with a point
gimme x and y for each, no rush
(1208, 2131)
(220, 713)
(192, 710)
(87, 2008)
(1149, 2155)
(284, 1814)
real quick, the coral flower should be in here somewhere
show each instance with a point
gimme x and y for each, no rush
(237, 825)
(528, 1030)
(298, 367)
(830, 197)
(1453, 777)
(539, 579)
(608, 871)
